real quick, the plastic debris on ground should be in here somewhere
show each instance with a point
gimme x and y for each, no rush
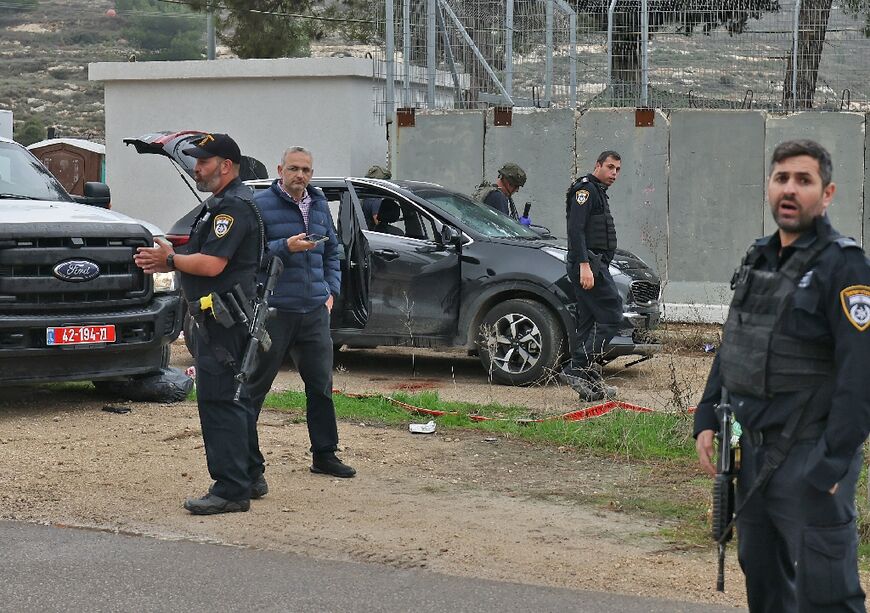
(427, 428)
(166, 385)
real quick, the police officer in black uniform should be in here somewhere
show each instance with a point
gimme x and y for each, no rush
(591, 245)
(224, 252)
(794, 358)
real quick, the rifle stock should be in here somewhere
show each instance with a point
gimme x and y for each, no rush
(723, 486)
(257, 335)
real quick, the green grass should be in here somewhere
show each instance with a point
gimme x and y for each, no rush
(635, 436)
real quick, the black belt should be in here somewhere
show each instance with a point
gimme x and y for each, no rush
(769, 436)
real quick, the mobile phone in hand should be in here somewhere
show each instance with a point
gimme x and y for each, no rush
(316, 238)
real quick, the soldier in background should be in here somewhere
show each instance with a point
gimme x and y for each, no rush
(499, 195)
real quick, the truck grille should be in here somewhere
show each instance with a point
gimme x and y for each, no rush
(644, 292)
(28, 283)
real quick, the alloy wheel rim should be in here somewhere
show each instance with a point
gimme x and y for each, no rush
(514, 343)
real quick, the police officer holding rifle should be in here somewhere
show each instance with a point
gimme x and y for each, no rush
(793, 359)
(218, 275)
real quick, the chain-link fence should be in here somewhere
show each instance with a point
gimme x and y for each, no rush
(636, 53)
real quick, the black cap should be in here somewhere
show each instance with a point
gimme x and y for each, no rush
(211, 145)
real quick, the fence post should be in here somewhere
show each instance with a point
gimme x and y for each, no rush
(430, 53)
(610, 10)
(794, 54)
(509, 47)
(390, 76)
(406, 51)
(572, 49)
(644, 66)
(548, 83)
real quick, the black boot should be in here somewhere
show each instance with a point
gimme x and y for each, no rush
(327, 463)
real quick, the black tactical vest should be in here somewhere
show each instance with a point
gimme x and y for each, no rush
(757, 358)
(600, 229)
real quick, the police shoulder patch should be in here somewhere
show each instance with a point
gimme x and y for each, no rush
(222, 225)
(856, 304)
(582, 196)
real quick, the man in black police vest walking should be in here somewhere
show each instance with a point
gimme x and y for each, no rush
(224, 250)
(794, 358)
(591, 245)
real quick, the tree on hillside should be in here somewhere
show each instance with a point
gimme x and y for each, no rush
(30, 131)
(163, 31)
(264, 28)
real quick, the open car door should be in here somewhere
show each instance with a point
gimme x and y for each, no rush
(356, 266)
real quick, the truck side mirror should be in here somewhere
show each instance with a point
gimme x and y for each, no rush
(96, 194)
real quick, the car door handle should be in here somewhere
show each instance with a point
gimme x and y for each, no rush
(387, 254)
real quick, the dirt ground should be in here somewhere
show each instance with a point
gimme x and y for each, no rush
(454, 502)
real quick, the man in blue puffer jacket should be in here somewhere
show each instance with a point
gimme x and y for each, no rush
(300, 231)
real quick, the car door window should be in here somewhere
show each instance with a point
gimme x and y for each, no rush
(395, 216)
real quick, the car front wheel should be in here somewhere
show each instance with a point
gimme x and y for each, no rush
(520, 342)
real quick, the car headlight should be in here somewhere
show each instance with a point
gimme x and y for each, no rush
(164, 282)
(559, 254)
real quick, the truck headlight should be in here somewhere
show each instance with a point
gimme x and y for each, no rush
(164, 282)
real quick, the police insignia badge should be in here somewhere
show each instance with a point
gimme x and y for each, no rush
(222, 225)
(582, 196)
(856, 305)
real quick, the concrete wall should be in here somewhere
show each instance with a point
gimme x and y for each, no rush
(539, 139)
(442, 147)
(691, 195)
(324, 104)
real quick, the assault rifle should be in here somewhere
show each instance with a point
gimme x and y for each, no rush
(723, 486)
(257, 335)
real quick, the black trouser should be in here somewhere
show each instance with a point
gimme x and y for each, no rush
(310, 343)
(798, 546)
(226, 423)
(599, 315)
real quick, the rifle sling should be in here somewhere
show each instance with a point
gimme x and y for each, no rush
(774, 458)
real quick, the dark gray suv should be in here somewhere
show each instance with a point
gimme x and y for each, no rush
(446, 271)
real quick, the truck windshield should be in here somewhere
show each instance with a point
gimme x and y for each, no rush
(479, 217)
(23, 176)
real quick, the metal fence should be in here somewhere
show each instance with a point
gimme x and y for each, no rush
(634, 53)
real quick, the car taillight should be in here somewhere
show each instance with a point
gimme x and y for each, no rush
(178, 240)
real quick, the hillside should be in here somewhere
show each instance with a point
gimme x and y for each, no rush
(45, 54)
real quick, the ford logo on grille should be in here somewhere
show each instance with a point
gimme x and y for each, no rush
(76, 271)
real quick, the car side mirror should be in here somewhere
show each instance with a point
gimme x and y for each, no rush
(450, 235)
(96, 194)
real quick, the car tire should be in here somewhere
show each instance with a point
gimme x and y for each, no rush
(520, 342)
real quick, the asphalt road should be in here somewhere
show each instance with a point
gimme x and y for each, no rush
(48, 568)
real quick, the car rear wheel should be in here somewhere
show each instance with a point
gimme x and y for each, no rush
(520, 342)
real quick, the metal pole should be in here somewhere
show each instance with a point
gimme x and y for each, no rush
(509, 47)
(406, 50)
(610, 10)
(644, 66)
(430, 53)
(470, 42)
(794, 54)
(548, 83)
(390, 77)
(209, 33)
(449, 53)
(572, 48)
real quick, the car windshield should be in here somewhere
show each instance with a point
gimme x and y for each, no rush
(22, 176)
(479, 217)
